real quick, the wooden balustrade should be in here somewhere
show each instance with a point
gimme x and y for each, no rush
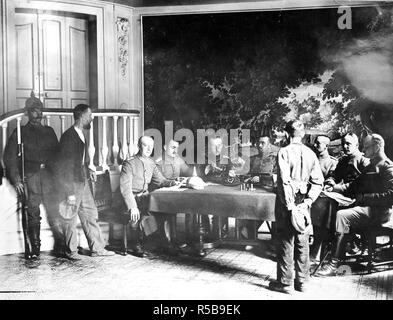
(99, 128)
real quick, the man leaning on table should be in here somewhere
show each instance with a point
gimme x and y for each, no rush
(136, 175)
(299, 183)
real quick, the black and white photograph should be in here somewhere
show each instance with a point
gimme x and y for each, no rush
(209, 151)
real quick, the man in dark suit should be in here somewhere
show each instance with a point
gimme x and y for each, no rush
(73, 177)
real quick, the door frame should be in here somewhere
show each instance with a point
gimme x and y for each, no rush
(9, 41)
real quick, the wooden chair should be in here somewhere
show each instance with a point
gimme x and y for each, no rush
(371, 235)
(108, 210)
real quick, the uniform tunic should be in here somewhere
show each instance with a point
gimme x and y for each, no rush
(349, 167)
(173, 167)
(373, 191)
(136, 175)
(40, 147)
(265, 162)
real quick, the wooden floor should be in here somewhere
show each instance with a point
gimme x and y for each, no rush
(227, 272)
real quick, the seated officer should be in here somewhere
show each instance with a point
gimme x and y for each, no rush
(373, 194)
(322, 206)
(349, 167)
(262, 168)
(218, 169)
(136, 175)
(172, 166)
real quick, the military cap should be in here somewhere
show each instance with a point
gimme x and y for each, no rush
(33, 102)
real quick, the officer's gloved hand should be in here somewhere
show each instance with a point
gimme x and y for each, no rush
(328, 187)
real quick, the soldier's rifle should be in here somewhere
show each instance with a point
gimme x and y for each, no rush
(23, 196)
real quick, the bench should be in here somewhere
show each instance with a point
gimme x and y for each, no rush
(109, 211)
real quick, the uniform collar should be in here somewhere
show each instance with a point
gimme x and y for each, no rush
(169, 159)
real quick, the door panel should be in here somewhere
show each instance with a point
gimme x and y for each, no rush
(26, 49)
(52, 59)
(53, 103)
(78, 72)
(78, 60)
(51, 55)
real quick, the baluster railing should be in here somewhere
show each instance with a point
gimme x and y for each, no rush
(4, 142)
(18, 133)
(91, 149)
(62, 124)
(115, 147)
(104, 148)
(131, 139)
(135, 128)
(124, 149)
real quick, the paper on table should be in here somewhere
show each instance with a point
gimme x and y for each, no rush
(211, 184)
(173, 188)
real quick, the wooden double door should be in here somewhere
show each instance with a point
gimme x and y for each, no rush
(52, 59)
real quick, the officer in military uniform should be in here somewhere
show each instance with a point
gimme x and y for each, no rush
(172, 166)
(373, 194)
(218, 169)
(265, 162)
(323, 206)
(136, 175)
(262, 168)
(218, 164)
(349, 166)
(40, 145)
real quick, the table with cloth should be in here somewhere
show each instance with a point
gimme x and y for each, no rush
(218, 200)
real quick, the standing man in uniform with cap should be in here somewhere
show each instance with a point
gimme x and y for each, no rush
(136, 175)
(299, 182)
(73, 177)
(40, 145)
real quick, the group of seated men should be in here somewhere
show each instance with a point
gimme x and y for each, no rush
(366, 178)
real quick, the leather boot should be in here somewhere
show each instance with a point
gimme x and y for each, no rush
(137, 250)
(31, 253)
(28, 249)
(36, 241)
(338, 251)
(58, 238)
